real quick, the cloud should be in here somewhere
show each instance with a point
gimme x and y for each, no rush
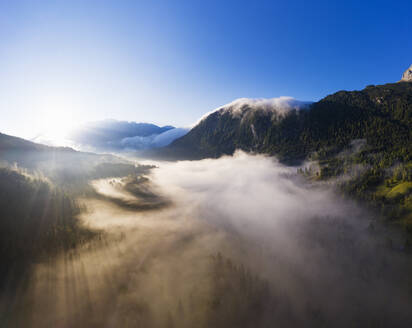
(152, 141)
(318, 250)
(112, 135)
(321, 262)
(168, 137)
(280, 106)
(249, 190)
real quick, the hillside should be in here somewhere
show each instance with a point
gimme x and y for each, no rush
(39, 192)
(362, 138)
(11, 143)
(380, 114)
(38, 219)
(62, 165)
(29, 154)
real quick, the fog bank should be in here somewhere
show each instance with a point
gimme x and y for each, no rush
(326, 256)
(241, 241)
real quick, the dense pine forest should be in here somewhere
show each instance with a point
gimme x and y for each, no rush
(38, 220)
(39, 207)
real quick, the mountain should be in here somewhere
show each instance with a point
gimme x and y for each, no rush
(27, 153)
(39, 209)
(407, 75)
(112, 135)
(238, 125)
(360, 140)
(62, 165)
(294, 130)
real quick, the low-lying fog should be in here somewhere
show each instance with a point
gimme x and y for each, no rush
(238, 241)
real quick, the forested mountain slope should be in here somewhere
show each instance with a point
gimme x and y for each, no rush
(63, 165)
(362, 139)
(380, 114)
(39, 190)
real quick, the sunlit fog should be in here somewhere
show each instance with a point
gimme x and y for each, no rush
(205, 164)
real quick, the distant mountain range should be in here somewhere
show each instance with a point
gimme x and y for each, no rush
(112, 135)
(362, 138)
(290, 129)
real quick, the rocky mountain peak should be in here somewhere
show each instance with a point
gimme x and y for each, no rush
(407, 75)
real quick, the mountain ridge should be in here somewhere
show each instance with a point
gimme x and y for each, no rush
(407, 75)
(299, 133)
(113, 135)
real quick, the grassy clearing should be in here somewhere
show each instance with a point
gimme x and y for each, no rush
(399, 190)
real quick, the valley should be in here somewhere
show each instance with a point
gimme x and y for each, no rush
(267, 212)
(218, 251)
(205, 164)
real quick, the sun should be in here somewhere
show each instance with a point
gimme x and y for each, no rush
(56, 117)
(55, 128)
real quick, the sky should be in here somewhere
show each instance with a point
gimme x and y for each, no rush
(169, 62)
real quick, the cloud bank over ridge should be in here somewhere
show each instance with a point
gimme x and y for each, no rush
(280, 105)
(117, 136)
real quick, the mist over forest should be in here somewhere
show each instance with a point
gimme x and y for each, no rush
(239, 241)
(205, 164)
(268, 212)
(257, 217)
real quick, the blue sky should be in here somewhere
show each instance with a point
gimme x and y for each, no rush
(169, 62)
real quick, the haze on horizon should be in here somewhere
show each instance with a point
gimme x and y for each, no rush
(168, 63)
